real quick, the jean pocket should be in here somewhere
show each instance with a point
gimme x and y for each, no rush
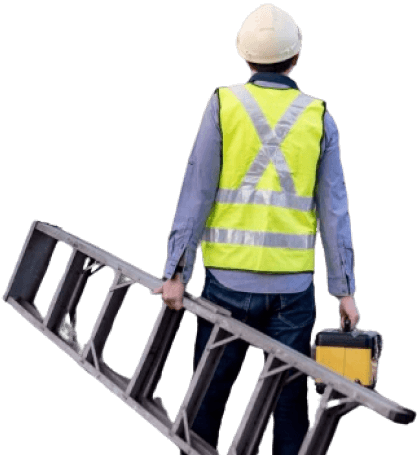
(298, 309)
(235, 301)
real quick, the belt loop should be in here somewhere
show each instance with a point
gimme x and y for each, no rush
(267, 302)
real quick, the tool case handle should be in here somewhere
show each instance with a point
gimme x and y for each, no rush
(347, 325)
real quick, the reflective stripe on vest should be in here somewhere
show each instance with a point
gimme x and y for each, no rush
(226, 243)
(269, 152)
(258, 238)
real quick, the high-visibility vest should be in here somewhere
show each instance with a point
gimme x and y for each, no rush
(264, 218)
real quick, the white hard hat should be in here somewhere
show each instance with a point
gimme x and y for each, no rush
(268, 35)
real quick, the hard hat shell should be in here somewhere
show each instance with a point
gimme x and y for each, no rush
(268, 35)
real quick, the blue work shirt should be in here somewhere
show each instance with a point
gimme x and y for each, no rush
(198, 195)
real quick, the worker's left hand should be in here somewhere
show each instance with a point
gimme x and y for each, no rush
(172, 292)
(349, 310)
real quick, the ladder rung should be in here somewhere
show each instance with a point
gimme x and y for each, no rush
(319, 437)
(31, 266)
(260, 406)
(62, 297)
(201, 378)
(105, 321)
(148, 372)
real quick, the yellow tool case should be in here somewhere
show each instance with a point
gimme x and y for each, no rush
(352, 353)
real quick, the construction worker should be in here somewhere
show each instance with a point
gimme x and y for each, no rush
(264, 167)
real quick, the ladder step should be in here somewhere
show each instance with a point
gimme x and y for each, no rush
(149, 370)
(65, 291)
(260, 407)
(319, 437)
(31, 267)
(201, 379)
(106, 319)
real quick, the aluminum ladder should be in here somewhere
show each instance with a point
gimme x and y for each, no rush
(282, 364)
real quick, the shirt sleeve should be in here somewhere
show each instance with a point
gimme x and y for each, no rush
(197, 195)
(333, 216)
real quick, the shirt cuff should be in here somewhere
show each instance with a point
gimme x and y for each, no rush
(175, 265)
(340, 279)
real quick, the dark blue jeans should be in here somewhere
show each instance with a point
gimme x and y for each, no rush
(288, 318)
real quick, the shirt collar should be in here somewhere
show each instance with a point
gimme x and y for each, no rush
(274, 77)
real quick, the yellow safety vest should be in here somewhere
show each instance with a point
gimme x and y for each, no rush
(264, 216)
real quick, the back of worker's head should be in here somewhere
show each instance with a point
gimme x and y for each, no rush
(269, 40)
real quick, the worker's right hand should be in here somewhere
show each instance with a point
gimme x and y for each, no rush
(349, 310)
(172, 292)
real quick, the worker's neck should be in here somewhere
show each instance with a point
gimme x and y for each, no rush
(285, 73)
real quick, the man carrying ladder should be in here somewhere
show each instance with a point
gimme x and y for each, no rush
(264, 168)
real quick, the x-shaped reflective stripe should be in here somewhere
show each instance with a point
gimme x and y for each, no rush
(271, 139)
